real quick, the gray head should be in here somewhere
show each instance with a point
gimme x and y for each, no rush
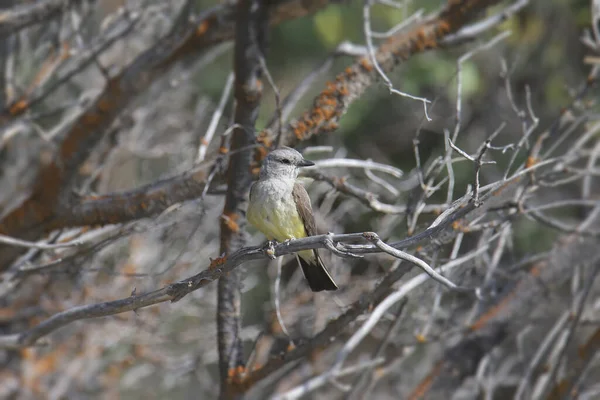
(283, 162)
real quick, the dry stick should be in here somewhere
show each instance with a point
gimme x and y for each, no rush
(382, 182)
(368, 38)
(69, 67)
(25, 15)
(380, 244)
(349, 85)
(526, 129)
(278, 110)
(465, 57)
(592, 218)
(561, 346)
(176, 291)
(212, 127)
(276, 297)
(368, 325)
(250, 43)
(358, 389)
(291, 100)
(363, 164)
(475, 30)
(41, 246)
(511, 308)
(570, 387)
(586, 185)
(338, 244)
(331, 331)
(219, 267)
(367, 198)
(321, 380)
(415, 17)
(540, 354)
(36, 215)
(218, 25)
(210, 28)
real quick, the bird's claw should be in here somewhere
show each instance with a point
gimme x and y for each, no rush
(269, 249)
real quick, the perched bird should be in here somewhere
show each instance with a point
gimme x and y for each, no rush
(280, 208)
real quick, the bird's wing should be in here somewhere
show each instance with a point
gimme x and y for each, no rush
(304, 209)
(251, 188)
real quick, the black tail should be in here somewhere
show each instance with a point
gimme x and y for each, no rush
(316, 274)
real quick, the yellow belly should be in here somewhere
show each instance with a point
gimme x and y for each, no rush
(276, 217)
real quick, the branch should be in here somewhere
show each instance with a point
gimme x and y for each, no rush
(25, 15)
(509, 311)
(367, 198)
(250, 44)
(333, 102)
(339, 244)
(35, 215)
(174, 292)
(145, 201)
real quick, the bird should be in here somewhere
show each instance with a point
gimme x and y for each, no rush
(280, 208)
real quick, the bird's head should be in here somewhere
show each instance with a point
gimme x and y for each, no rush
(284, 163)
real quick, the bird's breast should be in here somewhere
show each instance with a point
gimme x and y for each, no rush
(272, 211)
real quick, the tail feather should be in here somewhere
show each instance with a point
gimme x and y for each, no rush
(316, 274)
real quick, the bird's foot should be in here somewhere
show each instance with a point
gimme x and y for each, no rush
(269, 249)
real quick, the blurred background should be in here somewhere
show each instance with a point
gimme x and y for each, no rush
(169, 350)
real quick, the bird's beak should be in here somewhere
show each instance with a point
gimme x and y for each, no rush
(305, 163)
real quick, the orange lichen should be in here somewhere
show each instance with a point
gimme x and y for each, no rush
(90, 118)
(104, 105)
(217, 262)
(266, 141)
(65, 51)
(129, 268)
(18, 107)
(237, 374)
(257, 366)
(443, 27)
(425, 384)
(261, 153)
(535, 270)
(48, 67)
(300, 130)
(330, 127)
(591, 79)
(588, 347)
(343, 90)
(330, 89)
(501, 188)
(460, 226)
(202, 28)
(231, 372)
(366, 64)
(229, 219)
(531, 161)
(339, 181)
(491, 313)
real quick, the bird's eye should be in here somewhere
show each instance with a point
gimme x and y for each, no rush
(286, 161)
